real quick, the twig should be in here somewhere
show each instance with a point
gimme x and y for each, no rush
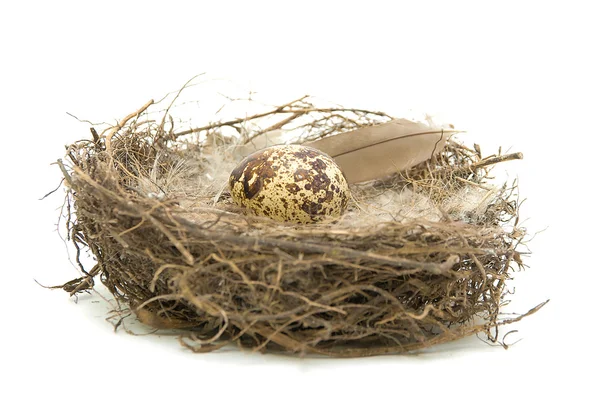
(64, 171)
(184, 252)
(85, 120)
(52, 191)
(273, 127)
(280, 110)
(162, 123)
(121, 124)
(96, 137)
(497, 159)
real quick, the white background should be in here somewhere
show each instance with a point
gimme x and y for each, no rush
(522, 75)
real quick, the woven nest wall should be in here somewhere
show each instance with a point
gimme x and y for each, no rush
(420, 258)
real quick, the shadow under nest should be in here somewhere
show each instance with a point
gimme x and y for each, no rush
(339, 289)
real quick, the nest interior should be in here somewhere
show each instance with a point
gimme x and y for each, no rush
(420, 258)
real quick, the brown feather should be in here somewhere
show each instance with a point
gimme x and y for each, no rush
(377, 151)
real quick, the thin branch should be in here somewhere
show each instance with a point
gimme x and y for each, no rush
(279, 109)
(52, 191)
(282, 110)
(162, 123)
(121, 124)
(497, 159)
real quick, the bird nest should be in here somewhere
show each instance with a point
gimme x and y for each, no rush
(420, 257)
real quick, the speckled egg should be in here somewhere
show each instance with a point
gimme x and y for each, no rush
(290, 183)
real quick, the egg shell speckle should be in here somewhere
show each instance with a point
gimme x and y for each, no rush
(290, 183)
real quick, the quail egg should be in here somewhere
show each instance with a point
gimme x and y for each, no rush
(291, 183)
